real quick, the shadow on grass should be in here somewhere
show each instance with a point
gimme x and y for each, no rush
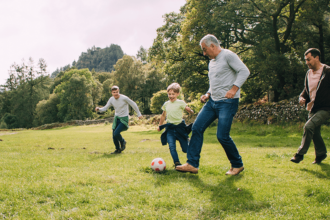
(325, 168)
(225, 197)
(104, 155)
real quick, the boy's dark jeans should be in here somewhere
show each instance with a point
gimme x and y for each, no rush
(171, 140)
(116, 136)
(312, 131)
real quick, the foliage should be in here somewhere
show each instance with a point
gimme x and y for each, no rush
(103, 76)
(196, 105)
(100, 59)
(137, 81)
(157, 101)
(46, 111)
(97, 59)
(3, 125)
(76, 95)
(142, 55)
(26, 86)
(10, 121)
(268, 36)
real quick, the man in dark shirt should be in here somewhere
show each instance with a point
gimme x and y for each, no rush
(316, 98)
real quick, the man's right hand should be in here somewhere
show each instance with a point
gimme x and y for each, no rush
(302, 101)
(205, 97)
(96, 109)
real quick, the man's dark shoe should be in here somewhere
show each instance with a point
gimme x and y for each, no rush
(318, 159)
(116, 152)
(177, 164)
(297, 158)
(123, 145)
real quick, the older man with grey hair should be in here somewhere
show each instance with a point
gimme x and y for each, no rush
(227, 73)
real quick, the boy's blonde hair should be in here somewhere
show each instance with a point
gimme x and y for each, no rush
(175, 87)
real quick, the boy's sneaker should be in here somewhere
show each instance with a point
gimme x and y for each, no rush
(297, 158)
(123, 145)
(319, 159)
(116, 152)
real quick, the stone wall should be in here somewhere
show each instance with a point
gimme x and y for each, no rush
(268, 113)
(286, 110)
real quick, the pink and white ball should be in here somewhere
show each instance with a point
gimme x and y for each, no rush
(158, 164)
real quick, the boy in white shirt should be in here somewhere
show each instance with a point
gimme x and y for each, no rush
(120, 103)
(176, 128)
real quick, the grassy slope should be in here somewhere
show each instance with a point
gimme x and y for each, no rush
(79, 179)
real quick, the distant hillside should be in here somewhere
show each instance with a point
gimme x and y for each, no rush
(101, 60)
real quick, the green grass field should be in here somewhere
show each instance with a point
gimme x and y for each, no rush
(69, 173)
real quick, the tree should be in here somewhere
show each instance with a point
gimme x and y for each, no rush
(76, 95)
(102, 60)
(11, 121)
(142, 55)
(46, 111)
(27, 85)
(266, 35)
(138, 81)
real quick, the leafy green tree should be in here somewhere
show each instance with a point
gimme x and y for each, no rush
(138, 81)
(102, 60)
(76, 95)
(268, 36)
(106, 92)
(142, 55)
(46, 111)
(103, 76)
(27, 85)
(11, 121)
(187, 68)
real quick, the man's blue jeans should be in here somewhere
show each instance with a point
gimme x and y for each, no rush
(224, 111)
(116, 136)
(171, 140)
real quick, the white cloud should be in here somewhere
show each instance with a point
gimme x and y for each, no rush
(59, 31)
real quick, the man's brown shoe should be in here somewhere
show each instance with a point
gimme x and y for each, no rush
(187, 168)
(234, 171)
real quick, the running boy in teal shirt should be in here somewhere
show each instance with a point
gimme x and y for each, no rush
(176, 128)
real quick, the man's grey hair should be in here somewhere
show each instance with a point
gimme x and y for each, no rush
(210, 39)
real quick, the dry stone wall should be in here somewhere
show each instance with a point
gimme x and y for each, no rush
(286, 110)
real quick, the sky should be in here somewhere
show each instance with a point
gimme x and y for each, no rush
(58, 31)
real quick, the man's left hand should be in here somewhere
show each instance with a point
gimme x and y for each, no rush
(141, 117)
(231, 93)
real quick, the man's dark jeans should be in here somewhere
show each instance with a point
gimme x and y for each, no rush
(116, 136)
(224, 111)
(312, 131)
(171, 140)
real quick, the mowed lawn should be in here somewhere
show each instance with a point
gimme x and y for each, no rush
(69, 173)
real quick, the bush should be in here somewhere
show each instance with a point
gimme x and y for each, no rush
(157, 101)
(10, 120)
(3, 125)
(46, 111)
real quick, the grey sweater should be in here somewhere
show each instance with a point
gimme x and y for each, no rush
(121, 106)
(226, 70)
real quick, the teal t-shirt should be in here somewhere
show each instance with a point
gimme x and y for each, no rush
(174, 111)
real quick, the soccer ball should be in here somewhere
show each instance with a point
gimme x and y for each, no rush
(158, 164)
